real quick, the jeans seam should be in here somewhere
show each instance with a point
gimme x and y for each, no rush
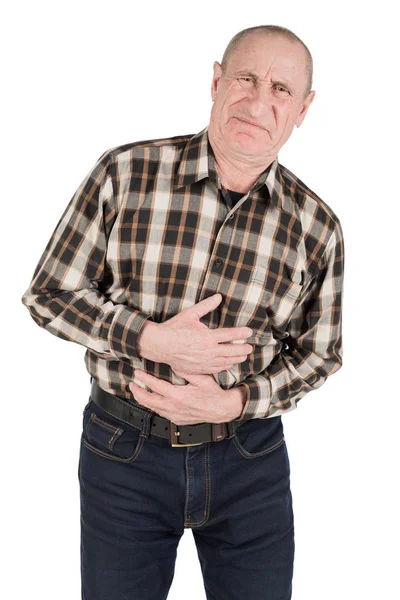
(130, 459)
(244, 453)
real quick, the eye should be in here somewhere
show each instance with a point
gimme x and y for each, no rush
(283, 88)
(245, 80)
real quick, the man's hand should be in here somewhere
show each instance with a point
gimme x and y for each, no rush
(186, 344)
(200, 401)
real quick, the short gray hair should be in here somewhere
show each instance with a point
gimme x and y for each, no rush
(270, 30)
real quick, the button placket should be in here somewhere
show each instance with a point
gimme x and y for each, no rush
(223, 236)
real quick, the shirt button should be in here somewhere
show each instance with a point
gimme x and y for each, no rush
(231, 217)
(217, 263)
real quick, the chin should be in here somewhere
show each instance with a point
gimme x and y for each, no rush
(251, 142)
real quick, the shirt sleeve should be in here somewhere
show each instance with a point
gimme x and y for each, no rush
(64, 296)
(314, 344)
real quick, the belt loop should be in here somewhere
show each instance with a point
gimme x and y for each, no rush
(146, 424)
(216, 432)
(231, 429)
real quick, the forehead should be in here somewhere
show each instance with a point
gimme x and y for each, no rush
(269, 54)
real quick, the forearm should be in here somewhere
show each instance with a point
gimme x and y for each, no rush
(87, 318)
(64, 296)
(314, 349)
(292, 375)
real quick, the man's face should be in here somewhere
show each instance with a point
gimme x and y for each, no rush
(265, 82)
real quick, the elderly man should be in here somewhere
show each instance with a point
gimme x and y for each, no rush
(205, 280)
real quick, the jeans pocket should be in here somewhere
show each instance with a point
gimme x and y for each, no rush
(108, 436)
(258, 437)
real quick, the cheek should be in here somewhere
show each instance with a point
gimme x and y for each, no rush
(225, 106)
(220, 108)
(284, 117)
(234, 105)
(286, 111)
(216, 112)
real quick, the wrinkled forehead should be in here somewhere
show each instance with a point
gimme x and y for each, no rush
(269, 54)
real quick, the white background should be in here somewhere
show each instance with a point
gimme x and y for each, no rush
(84, 77)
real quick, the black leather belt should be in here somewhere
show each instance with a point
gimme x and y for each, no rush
(178, 435)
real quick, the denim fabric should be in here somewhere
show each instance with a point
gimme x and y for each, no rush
(138, 494)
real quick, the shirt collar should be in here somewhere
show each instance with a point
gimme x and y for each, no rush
(198, 162)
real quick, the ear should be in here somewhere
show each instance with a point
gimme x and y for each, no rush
(217, 73)
(304, 109)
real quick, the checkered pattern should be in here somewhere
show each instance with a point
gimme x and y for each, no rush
(149, 233)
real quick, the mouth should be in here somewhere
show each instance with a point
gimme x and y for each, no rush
(250, 122)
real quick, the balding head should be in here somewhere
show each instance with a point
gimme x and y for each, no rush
(259, 96)
(272, 30)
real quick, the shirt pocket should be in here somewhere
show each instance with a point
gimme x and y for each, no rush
(279, 299)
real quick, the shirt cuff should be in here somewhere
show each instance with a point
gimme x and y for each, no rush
(258, 398)
(124, 331)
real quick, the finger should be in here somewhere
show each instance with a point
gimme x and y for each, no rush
(204, 306)
(194, 378)
(227, 334)
(238, 360)
(226, 361)
(150, 399)
(157, 385)
(229, 364)
(232, 351)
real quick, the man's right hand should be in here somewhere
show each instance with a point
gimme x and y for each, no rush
(187, 345)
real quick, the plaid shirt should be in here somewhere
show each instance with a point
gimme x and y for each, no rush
(150, 232)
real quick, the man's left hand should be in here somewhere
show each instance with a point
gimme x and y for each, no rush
(201, 400)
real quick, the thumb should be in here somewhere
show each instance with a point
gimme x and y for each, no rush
(192, 378)
(205, 306)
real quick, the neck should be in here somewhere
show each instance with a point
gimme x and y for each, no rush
(236, 174)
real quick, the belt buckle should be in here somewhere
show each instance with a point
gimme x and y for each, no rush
(174, 434)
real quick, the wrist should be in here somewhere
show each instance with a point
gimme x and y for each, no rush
(236, 400)
(145, 340)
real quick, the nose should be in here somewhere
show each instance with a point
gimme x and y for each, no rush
(261, 101)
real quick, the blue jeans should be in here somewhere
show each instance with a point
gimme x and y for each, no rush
(138, 494)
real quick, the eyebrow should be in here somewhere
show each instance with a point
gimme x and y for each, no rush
(284, 83)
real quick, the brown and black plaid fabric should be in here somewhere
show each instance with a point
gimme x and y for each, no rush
(150, 232)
